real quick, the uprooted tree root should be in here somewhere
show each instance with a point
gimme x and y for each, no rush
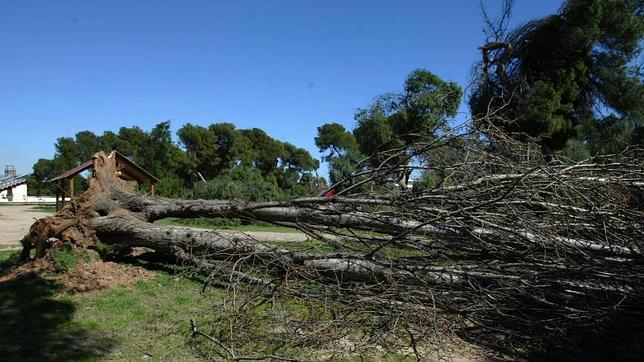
(525, 257)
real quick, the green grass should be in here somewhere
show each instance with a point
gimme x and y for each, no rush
(66, 258)
(222, 224)
(8, 258)
(45, 208)
(151, 319)
(38, 322)
(148, 319)
(36, 206)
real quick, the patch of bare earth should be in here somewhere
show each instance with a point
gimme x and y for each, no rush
(86, 277)
(99, 275)
(37, 267)
(15, 222)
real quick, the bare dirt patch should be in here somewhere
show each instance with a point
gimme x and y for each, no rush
(98, 275)
(263, 236)
(15, 222)
(85, 277)
(37, 267)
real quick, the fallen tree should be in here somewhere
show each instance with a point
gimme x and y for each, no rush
(524, 251)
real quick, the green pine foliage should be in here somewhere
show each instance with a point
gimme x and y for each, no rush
(218, 161)
(569, 75)
(394, 121)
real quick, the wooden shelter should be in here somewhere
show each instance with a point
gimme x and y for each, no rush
(126, 169)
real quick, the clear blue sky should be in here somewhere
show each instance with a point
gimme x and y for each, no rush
(283, 66)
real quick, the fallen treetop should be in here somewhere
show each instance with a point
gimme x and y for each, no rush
(527, 251)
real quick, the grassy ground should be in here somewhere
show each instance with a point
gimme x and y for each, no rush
(225, 225)
(45, 208)
(35, 205)
(150, 319)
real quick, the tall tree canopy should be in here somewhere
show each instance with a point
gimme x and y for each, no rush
(210, 150)
(341, 150)
(398, 119)
(225, 157)
(393, 121)
(567, 74)
(246, 162)
(217, 149)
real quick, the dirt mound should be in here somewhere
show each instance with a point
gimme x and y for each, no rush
(36, 267)
(98, 275)
(85, 277)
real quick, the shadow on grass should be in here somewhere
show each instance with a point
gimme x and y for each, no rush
(36, 325)
(616, 335)
(619, 336)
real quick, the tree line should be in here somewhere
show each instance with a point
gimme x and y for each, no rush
(218, 161)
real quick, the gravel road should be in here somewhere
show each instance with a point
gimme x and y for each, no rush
(15, 221)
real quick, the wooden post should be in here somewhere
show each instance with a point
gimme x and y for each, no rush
(60, 193)
(62, 202)
(71, 188)
(151, 189)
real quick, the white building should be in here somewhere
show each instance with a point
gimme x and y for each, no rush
(13, 188)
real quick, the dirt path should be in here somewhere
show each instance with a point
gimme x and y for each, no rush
(263, 235)
(15, 222)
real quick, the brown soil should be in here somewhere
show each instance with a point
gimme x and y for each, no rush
(86, 277)
(36, 267)
(98, 275)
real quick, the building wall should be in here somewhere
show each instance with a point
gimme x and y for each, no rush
(19, 193)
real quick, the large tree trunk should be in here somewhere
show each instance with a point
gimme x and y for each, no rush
(195, 245)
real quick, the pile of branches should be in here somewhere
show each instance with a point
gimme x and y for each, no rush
(523, 253)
